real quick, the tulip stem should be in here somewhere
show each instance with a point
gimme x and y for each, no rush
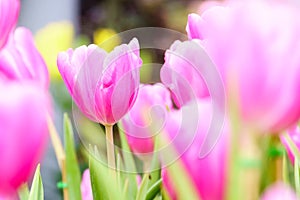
(59, 152)
(244, 156)
(110, 146)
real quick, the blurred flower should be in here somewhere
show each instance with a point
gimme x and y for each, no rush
(8, 18)
(52, 39)
(294, 133)
(20, 60)
(106, 39)
(104, 86)
(147, 117)
(208, 173)
(204, 5)
(85, 186)
(23, 131)
(258, 57)
(279, 191)
(179, 74)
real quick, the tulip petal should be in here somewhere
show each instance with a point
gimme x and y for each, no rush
(21, 145)
(9, 12)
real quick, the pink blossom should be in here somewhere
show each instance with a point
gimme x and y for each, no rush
(20, 59)
(147, 117)
(85, 186)
(279, 191)
(24, 131)
(208, 173)
(103, 85)
(208, 4)
(179, 74)
(256, 47)
(8, 18)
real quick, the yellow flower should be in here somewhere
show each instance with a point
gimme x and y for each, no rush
(52, 39)
(106, 38)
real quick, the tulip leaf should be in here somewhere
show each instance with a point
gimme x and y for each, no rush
(142, 192)
(97, 180)
(37, 191)
(155, 164)
(285, 170)
(128, 157)
(72, 168)
(154, 190)
(23, 192)
(158, 198)
(103, 181)
(296, 176)
(129, 172)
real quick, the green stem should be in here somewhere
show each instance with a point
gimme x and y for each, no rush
(110, 146)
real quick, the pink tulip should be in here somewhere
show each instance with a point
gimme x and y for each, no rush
(279, 191)
(103, 85)
(180, 72)
(23, 130)
(147, 117)
(208, 173)
(294, 134)
(20, 59)
(85, 186)
(256, 46)
(9, 12)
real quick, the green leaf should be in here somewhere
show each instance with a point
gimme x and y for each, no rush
(285, 170)
(23, 192)
(72, 168)
(154, 190)
(129, 171)
(128, 157)
(97, 179)
(37, 191)
(142, 192)
(296, 176)
(158, 198)
(155, 165)
(104, 185)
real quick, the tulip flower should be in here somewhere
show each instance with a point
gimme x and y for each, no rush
(20, 60)
(294, 134)
(208, 173)
(180, 72)
(257, 56)
(85, 186)
(104, 86)
(23, 130)
(279, 191)
(147, 117)
(8, 18)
